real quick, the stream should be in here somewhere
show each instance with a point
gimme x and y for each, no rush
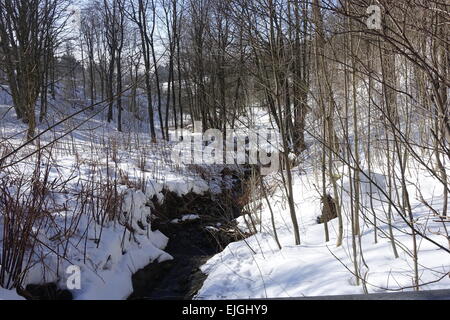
(191, 243)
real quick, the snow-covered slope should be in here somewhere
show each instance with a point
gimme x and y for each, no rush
(257, 268)
(90, 174)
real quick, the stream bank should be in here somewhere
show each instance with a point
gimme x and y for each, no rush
(191, 242)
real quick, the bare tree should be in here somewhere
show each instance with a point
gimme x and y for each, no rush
(27, 30)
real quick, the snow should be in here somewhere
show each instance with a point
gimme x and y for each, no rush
(107, 269)
(9, 295)
(256, 268)
(108, 252)
(186, 217)
(113, 281)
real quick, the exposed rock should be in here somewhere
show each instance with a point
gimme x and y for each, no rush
(329, 210)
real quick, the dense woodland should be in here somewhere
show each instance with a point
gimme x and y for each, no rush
(347, 93)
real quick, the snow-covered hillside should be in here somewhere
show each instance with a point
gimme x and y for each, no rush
(210, 149)
(257, 268)
(95, 161)
(97, 208)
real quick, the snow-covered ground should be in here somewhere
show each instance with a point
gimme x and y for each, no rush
(257, 268)
(109, 250)
(9, 295)
(82, 167)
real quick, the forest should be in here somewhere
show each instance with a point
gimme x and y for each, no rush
(346, 101)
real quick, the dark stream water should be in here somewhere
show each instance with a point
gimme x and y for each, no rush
(190, 245)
